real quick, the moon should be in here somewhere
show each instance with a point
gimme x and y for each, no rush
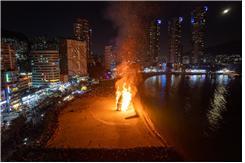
(226, 11)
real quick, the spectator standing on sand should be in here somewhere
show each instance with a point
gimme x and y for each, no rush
(119, 103)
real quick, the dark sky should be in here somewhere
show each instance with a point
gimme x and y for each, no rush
(56, 19)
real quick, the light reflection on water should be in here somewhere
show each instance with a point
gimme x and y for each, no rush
(218, 103)
(193, 110)
(170, 85)
(217, 107)
(223, 79)
(196, 80)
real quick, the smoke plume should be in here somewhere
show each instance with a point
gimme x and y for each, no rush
(131, 19)
(132, 22)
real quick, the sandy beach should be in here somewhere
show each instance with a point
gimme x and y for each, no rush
(92, 121)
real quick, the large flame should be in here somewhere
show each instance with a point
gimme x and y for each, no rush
(124, 97)
(126, 86)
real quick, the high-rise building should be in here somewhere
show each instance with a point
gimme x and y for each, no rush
(198, 21)
(18, 42)
(44, 43)
(9, 80)
(8, 59)
(154, 42)
(174, 37)
(109, 57)
(13, 88)
(12, 85)
(73, 58)
(83, 32)
(45, 67)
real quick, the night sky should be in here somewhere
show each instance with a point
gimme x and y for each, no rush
(56, 19)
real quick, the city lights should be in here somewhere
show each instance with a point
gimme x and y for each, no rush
(224, 71)
(192, 20)
(180, 19)
(206, 8)
(121, 82)
(159, 21)
(196, 70)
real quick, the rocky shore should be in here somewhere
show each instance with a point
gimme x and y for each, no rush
(102, 154)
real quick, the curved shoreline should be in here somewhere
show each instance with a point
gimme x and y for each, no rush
(143, 146)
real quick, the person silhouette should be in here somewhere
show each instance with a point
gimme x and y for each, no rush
(119, 103)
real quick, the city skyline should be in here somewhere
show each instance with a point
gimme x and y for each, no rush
(60, 24)
(121, 81)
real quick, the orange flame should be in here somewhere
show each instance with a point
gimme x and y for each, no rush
(126, 86)
(124, 97)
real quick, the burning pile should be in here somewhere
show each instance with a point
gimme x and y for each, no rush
(126, 86)
(123, 97)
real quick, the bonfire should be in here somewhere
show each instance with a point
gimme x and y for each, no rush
(126, 86)
(123, 97)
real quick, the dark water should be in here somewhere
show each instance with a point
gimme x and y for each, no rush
(201, 116)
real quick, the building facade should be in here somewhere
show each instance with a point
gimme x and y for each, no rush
(10, 89)
(154, 40)
(73, 58)
(174, 37)
(198, 22)
(45, 67)
(83, 32)
(8, 58)
(18, 42)
(13, 86)
(109, 58)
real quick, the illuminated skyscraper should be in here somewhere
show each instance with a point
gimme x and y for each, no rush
(154, 42)
(45, 67)
(18, 42)
(73, 58)
(83, 32)
(174, 35)
(109, 57)
(8, 58)
(12, 86)
(198, 21)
